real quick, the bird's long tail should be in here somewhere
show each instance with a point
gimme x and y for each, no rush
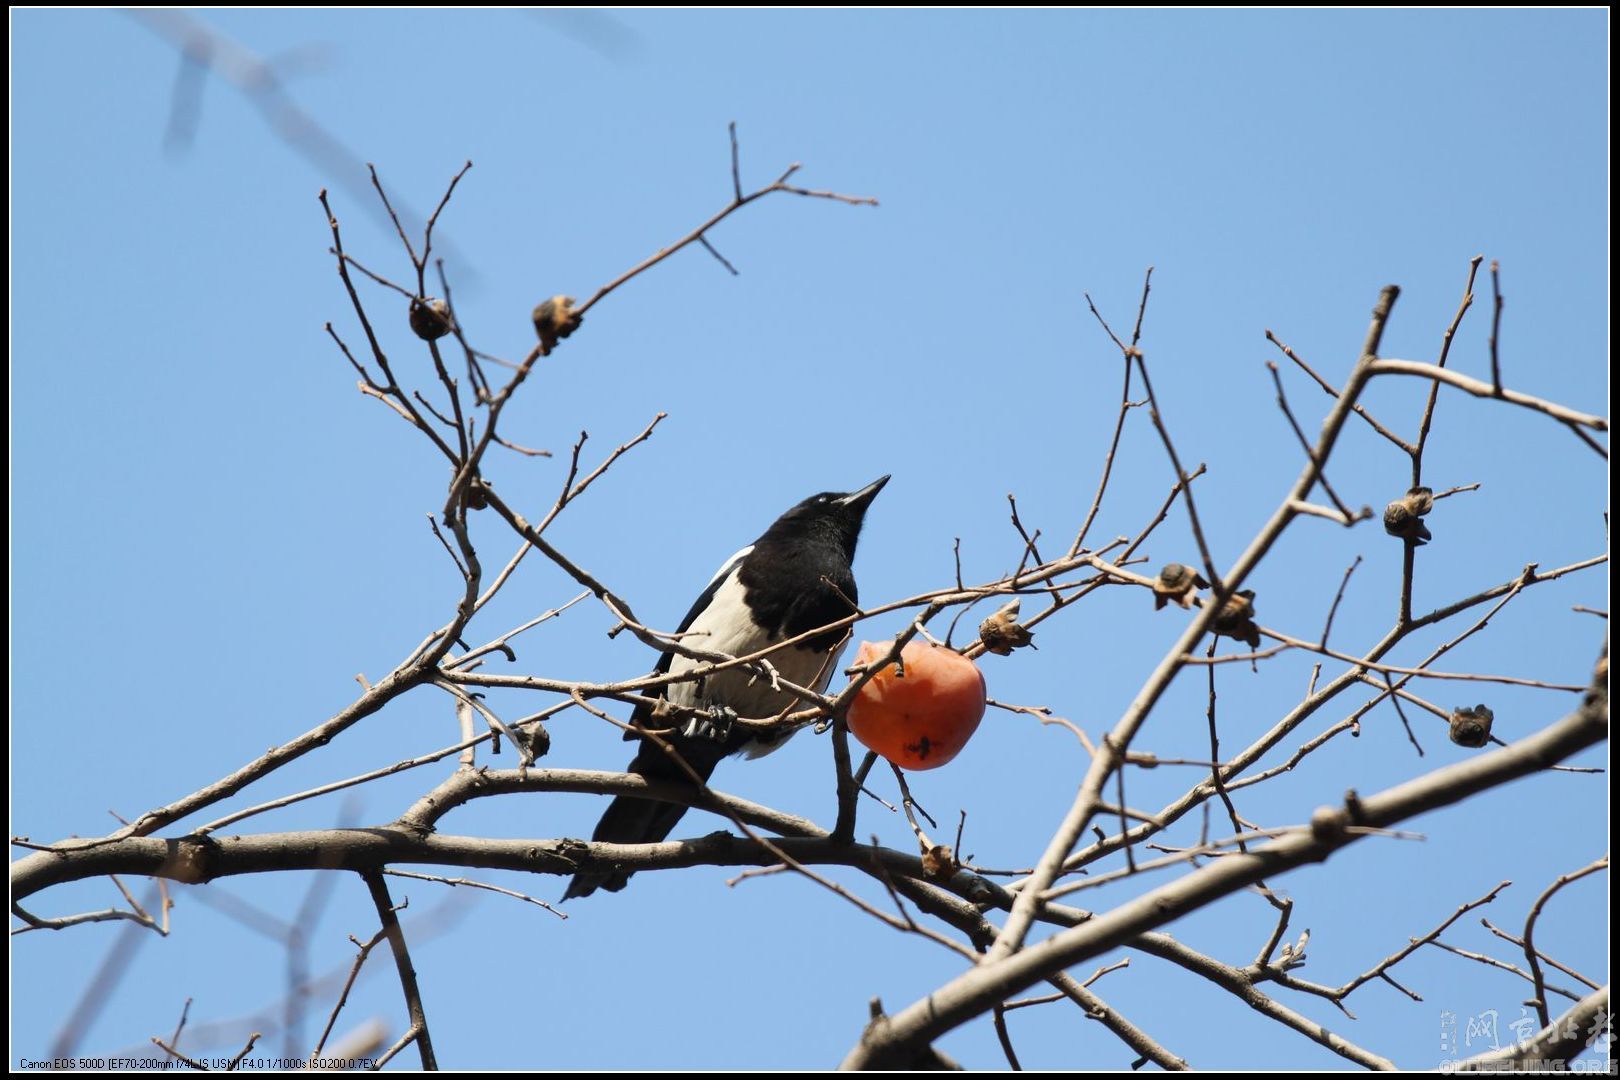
(642, 821)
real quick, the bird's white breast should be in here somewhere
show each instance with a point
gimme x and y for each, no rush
(724, 626)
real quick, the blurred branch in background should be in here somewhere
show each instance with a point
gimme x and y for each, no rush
(204, 50)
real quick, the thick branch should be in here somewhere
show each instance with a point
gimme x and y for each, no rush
(1560, 1041)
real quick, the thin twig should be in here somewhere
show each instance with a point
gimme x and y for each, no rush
(1496, 326)
(737, 203)
(387, 913)
(1531, 956)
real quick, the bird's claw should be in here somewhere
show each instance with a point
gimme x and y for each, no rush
(771, 673)
(715, 726)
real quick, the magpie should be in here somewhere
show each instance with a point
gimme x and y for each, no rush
(795, 578)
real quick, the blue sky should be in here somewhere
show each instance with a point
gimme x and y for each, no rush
(213, 532)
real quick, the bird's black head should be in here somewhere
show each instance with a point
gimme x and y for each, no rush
(832, 516)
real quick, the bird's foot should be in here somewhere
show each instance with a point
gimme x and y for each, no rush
(715, 726)
(770, 672)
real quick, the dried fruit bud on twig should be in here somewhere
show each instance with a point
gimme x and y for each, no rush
(1236, 619)
(1471, 727)
(538, 740)
(1293, 955)
(1176, 582)
(1404, 516)
(1001, 632)
(939, 861)
(554, 320)
(430, 318)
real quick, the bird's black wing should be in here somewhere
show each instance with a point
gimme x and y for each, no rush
(643, 713)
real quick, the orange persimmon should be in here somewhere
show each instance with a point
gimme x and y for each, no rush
(920, 719)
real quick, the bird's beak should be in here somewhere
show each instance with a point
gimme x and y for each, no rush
(860, 500)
